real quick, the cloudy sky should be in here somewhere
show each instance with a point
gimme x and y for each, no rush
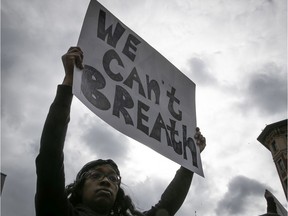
(235, 52)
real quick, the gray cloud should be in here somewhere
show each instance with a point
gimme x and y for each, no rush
(104, 140)
(197, 199)
(266, 90)
(152, 186)
(236, 200)
(200, 72)
(20, 183)
(25, 55)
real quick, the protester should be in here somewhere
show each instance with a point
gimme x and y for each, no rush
(97, 189)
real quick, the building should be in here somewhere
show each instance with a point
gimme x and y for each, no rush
(274, 207)
(274, 138)
(3, 176)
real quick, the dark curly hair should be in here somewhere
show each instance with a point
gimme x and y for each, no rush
(123, 205)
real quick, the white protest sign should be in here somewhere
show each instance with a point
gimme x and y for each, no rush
(135, 89)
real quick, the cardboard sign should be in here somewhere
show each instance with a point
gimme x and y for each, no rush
(135, 89)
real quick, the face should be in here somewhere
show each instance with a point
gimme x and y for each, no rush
(100, 189)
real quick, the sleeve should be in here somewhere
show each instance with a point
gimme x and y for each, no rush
(174, 195)
(50, 196)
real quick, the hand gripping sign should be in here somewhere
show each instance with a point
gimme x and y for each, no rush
(135, 89)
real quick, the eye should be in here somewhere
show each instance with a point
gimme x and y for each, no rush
(113, 178)
(96, 176)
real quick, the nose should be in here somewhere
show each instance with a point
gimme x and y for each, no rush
(105, 181)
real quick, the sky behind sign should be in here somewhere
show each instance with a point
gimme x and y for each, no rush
(235, 52)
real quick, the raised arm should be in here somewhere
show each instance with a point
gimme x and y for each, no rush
(50, 196)
(176, 192)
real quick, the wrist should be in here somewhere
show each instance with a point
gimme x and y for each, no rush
(68, 80)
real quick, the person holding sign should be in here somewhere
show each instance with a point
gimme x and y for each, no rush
(97, 189)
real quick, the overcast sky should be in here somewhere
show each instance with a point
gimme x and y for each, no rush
(235, 51)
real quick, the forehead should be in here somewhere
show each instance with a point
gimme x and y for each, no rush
(104, 168)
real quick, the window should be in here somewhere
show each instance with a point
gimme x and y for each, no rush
(281, 166)
(274, 147)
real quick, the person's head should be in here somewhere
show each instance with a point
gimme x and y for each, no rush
(96, 186)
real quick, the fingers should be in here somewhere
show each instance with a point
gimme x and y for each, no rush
(74, 56)
(78, 55)
(200, 139)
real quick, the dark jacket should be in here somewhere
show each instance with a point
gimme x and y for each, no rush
(50, 198)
